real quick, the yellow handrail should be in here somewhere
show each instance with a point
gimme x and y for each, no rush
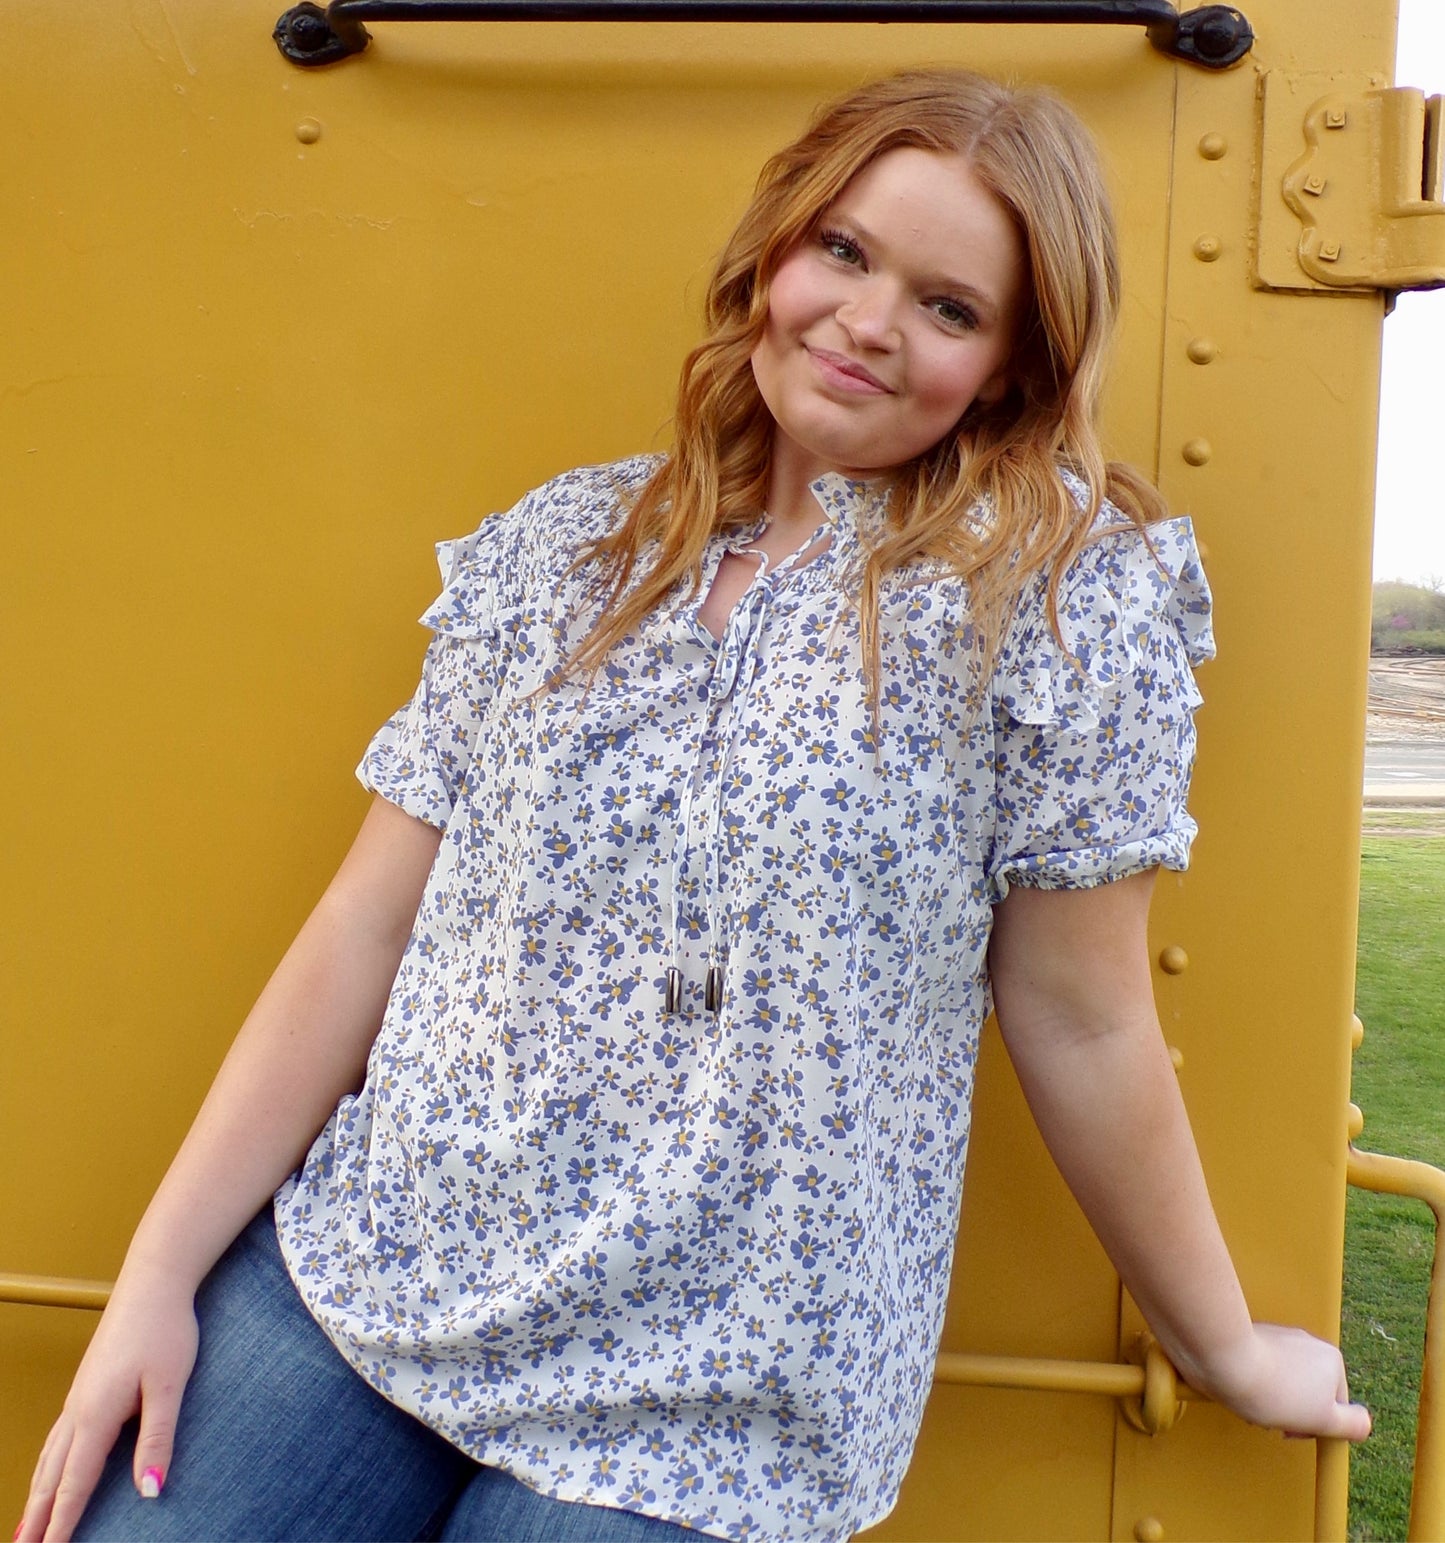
(1115, 1379)
(1332, 1491)
(54, 1291)
(1151, 1396)
(1419, 1181)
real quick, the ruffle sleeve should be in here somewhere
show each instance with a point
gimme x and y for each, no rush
(420, 755)
(467, 605)
(1094, 741)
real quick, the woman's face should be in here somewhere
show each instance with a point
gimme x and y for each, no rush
(896, 312)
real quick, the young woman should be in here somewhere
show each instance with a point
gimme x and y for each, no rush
(639, 1023)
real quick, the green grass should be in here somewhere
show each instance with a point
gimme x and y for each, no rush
(1399, 1082)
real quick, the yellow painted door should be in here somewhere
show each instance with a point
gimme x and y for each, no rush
(269, 332)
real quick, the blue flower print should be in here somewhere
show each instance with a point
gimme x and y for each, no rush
(693, 1264)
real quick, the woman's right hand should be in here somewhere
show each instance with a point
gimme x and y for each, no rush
(138, 1362)
(304, 1044)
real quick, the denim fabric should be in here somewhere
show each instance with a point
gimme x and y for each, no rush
(280, 1439)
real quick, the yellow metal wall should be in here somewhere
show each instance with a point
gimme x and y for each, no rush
(265, 334)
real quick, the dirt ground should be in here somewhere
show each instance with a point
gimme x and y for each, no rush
(1403, 822)
(1406, 706)
(1406, 701)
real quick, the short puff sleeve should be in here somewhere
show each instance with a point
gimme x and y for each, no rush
(1094, 743)
(420, 755)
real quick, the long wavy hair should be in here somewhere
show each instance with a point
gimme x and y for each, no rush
(1001, 459)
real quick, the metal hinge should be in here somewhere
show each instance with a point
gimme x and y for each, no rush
(1350, 191)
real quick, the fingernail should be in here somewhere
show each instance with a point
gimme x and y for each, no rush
(150, 1483)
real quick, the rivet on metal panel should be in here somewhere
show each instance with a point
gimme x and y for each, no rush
(1213, 147)
(1176, 1058)
(1149, 1529)
(1201, 350)
(1357, 1032)
(1335, 117)
(1354, 1120)
(1329, 251)
(1196, 451)
(1314, 184)
(1173, 960)
(308, 131)
(1208, 248)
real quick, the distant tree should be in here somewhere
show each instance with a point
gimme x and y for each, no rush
(1408, 618)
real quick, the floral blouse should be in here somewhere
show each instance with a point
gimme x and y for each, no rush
(650, 1195)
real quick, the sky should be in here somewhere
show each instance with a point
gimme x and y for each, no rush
(1409, 488)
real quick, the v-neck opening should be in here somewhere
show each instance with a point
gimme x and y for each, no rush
(812, 550)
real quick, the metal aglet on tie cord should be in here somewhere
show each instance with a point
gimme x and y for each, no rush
(712, 991)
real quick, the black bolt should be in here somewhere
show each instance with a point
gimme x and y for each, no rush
(1218, 32)
(1216, 38)
(309, 32)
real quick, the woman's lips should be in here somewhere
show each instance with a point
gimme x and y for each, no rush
(847, 374)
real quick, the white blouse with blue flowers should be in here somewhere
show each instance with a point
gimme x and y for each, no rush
(693, 1263)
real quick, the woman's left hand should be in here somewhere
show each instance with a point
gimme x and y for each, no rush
(1288, 1380)
(1073, 987)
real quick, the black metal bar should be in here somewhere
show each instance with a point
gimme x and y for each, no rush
(1104, 12)
(1214, 36)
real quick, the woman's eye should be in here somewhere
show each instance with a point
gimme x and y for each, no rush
(839, 246)
(954, 313)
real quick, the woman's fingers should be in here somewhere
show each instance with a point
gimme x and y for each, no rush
(1344, 1421)
(139, 1361)
(43, 1482)
(1348, 1413)
(1301, 1387)
(65, 1477)
(160, 1407)
(1354, 1421)
(83, 1465)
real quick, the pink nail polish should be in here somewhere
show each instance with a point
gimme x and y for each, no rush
(151, 1483)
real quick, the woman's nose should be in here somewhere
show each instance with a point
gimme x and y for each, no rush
(869, 315)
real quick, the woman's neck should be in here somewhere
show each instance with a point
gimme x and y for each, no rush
(791, 506)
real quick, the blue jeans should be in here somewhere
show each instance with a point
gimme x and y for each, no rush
(279, 1438)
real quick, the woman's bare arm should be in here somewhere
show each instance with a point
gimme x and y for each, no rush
(302, 1046)
(1075, 1005)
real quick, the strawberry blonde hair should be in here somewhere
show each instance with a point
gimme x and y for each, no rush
(1035, 156)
